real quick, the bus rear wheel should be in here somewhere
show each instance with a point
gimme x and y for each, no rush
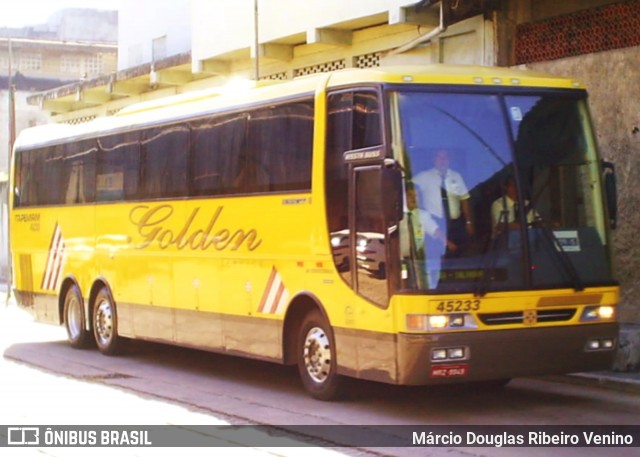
(105, 324)
(316, 354)
(75, 320)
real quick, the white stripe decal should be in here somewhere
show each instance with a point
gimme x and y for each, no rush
(275, 297)
(284, 299)
(50, 258)
(60, 260)
(55, 261)
(274, 293)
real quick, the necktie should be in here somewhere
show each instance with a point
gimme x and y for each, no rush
(516, 210)
(445, 199)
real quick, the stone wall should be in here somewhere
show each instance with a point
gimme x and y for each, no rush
(613, 81)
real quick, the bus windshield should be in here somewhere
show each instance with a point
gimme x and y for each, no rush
(503, 192)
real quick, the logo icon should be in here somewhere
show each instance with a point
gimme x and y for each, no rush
(25, 436)
(530, 317)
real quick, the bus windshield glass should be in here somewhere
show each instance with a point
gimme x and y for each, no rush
(503, 192)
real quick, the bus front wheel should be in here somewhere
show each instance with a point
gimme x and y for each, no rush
(74, 319)
(105, 323)
(316, 353)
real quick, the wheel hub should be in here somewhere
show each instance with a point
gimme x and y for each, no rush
(317, 354)
(104, 322)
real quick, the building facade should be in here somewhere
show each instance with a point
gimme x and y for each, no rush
(75, 45)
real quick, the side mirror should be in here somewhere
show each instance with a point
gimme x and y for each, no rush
(392, 193)
(611, 192)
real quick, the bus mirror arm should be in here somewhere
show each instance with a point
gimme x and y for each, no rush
(611, 191)
(392, 194)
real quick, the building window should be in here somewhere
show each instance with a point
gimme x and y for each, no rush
(159, 48)
(70, 64)
(93, 64)
(31, 62)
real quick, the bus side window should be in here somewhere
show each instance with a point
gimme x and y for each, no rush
(279, 148)
(291, 146)
(216, 145)
(117, 167)
(164, 155)
(78, 172)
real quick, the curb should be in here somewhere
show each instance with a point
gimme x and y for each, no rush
(621, 382)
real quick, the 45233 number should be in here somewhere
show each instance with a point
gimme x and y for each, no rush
(452, 306)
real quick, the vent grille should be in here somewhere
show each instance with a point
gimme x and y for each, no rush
(599, 29)
(320, 68)
(543, 316)
(368, 60)
(275, 77)
(80, 120)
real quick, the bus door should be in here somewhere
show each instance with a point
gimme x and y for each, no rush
(360, 233)
(369, 235)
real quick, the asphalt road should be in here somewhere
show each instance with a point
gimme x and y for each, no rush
(44, 381)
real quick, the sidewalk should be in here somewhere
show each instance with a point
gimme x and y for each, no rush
(627, 381)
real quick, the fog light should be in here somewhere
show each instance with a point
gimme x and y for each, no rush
(606, 344)
(593, 345)
(439, 354)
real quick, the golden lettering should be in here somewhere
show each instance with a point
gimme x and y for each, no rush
(150, 224)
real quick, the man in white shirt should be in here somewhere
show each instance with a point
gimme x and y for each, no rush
(504, 210)
(446, 198)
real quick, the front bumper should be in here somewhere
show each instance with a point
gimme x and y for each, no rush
(504, 354)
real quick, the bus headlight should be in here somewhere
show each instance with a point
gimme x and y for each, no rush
(438, 321)
(424, 322)
(598, 313)
(606, 312)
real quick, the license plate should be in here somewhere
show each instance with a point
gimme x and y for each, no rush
(448, 371)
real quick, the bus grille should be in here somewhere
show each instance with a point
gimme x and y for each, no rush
(543, 316)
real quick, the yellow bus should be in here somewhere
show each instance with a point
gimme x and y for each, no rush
(409, 225)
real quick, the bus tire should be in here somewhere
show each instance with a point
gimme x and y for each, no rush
(316, 356)
(105, 323)
(75, 320)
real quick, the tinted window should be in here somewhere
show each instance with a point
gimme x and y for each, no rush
(56, 175)
(77, 173)
(118, 167)
(217, 146)
(164, 152)
(264, 150)
(278, 156)
(353, 122)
